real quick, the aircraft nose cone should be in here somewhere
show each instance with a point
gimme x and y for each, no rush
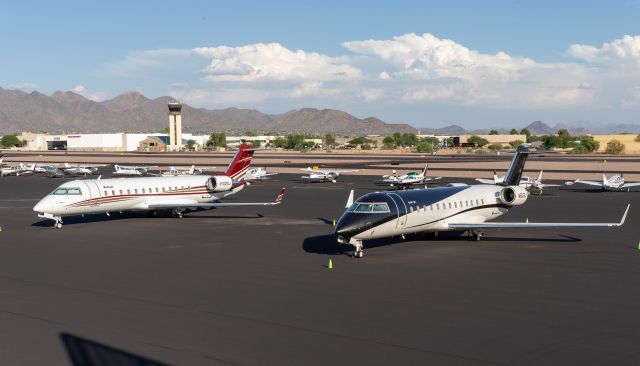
(39, 207)
(346, 226)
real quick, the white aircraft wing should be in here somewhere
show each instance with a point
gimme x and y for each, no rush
(544, 185)
(589, 182)
(626, 185)
(485, 181)
(506, 225)
(344, 170)
(187, 204)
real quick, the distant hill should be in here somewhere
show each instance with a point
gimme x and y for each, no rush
(536, 128)
(63, 112)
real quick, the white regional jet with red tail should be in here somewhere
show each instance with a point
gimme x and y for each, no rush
(179, 193)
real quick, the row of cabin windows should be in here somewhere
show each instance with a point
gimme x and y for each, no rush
(448, 205)
(144, 190)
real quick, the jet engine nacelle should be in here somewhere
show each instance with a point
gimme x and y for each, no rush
(219, 183)
(513, 195)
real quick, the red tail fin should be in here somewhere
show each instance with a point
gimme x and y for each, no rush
(238, 167)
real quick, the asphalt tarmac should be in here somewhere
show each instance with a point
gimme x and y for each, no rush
(250, 286)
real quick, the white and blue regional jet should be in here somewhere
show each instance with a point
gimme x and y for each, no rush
(455, 208)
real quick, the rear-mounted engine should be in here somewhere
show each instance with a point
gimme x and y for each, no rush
(513, 196)
(219, 183)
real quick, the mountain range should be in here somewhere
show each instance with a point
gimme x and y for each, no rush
(541, 128)
(68, 112)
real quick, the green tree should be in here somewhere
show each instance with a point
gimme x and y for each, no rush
(389, 140)
(495, 147)
(217, 139)
(250, 133)
(329, 139)
(10, 141)
(431, 139)
(525, 131)
(477, 141)
(424, 147)
(358, 141)
(255, 144)
(637, 139)
(494, 132)
(515, 143)
(614, 147)
(191, 144)
(513, 132)
(563, 132)
(295, 141)
(366, 147)
(165, 130)
(280, 142)
(588, 144)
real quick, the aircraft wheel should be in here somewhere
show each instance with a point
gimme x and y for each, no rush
(57, 225)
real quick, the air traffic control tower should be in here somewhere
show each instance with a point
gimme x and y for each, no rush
(175, 127)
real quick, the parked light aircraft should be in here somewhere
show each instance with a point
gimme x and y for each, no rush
(175, 171)
(316, 175)
(179, 193)
(614, 183)
(129, 170)
(79, 169)
(455, 208)
(17, 170)
(257, 174)
(408, 179)
(534, 186)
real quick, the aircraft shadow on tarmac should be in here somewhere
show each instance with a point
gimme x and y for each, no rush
(83, 352)
(72, 220)
(327, 244)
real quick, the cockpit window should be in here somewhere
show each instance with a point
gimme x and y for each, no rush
(369, 207)
(380, 207)
(364, 207)
(66, 191)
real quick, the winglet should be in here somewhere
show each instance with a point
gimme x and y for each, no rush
(624, 217)
(349, 200)
(279, 197)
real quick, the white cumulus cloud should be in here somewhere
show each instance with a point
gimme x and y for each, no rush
(408, 69)
(272, 61)
(624, 50)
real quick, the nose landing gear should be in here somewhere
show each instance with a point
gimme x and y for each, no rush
(358, 252)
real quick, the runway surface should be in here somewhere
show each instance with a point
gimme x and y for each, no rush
(250, 286)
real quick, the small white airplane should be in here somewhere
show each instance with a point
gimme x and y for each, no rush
(129, 170)
(179, 193)
(17, 170)
(614, 183)
(317, 175)
(456, 208)
(176, 171)
(408, 179)
(79, 169)
(257, 174)
(534, 186)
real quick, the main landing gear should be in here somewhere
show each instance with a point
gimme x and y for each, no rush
(178, 213)
(476, 234)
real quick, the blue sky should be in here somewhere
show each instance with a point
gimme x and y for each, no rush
(476, 63)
